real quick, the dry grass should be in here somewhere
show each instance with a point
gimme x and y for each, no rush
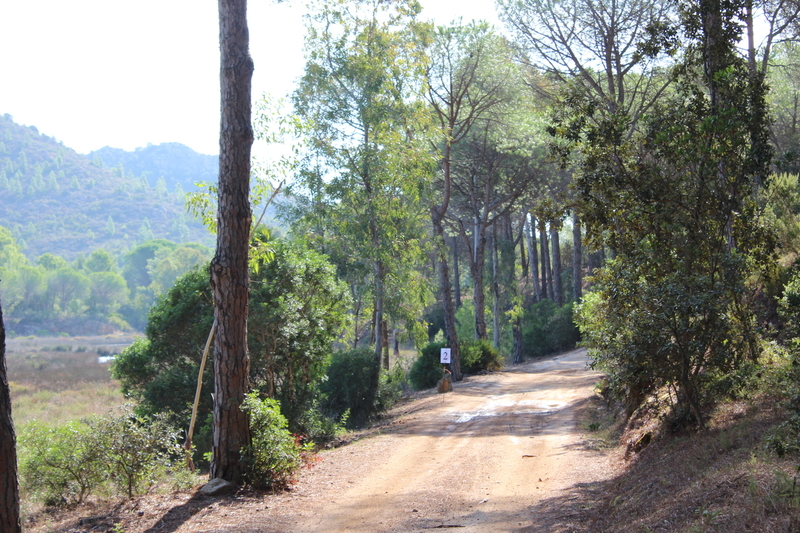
(723, 479)
(54, 380)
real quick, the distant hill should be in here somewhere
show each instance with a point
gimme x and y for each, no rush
(175, 162)
(56, 200)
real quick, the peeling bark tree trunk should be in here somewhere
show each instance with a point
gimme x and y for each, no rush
(9, 486)
(230, 277)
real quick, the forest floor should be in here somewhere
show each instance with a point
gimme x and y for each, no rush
(529, 449)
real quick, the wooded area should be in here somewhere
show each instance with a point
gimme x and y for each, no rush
(623, 174)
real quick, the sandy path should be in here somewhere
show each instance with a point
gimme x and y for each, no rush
(478, 459)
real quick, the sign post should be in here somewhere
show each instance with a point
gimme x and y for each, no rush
(445, 356)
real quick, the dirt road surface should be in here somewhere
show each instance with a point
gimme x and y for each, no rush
(487, 457)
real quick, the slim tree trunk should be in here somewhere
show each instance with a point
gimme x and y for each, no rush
(478, 295)
(534, 259)
(577, 261)
(547, 278)
(447, 298)
(558, 289)
(9, 485)
(456, 276)
(230, 277)
(495, 291)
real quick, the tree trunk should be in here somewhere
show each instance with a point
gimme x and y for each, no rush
(447, 298)
(495, 292)
(558, 289)
(547, 278)
(534, 259)
(478, 295)
(9, 485)
(516, 331)
(577, 261)
(230, 277)
(456, 276)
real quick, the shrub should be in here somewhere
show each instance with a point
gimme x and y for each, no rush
(273, 455)
(65, 464)
(547, 328)
(61, 465)
(350, 386)
(138, 451)
(477, 355)
(427, 369)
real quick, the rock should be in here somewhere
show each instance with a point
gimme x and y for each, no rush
(217, 487)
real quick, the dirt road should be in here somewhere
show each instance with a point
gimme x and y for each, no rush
(482, 458)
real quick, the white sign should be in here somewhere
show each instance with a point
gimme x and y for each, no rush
(445, 356)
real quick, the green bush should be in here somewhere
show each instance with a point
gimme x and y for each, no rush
(427, 369)
(61, 465)
(273, 455)
(65, 464)
(479, 355)
(349, 387)
(547, 329)
(138, 451)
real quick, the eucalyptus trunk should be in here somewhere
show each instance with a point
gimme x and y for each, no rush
(230, 276)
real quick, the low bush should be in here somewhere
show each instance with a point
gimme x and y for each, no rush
(124, 454)
(477, 355)
(547, 329)
(273, 456)
(427, 369)
(61, 465)
(349, 387)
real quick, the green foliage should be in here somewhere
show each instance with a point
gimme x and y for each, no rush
(161, 370)
(62, 465)
(125, 452)
(547, 328)
(273, 455)
(137, 451)
(676, 202)
(297, 310)
(348, 388)
(427, 369)
(477, 355)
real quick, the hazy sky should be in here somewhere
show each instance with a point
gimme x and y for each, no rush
(96, 73)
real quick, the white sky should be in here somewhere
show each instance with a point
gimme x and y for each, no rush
(96, 73)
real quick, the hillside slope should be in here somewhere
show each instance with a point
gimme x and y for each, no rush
(55, 200)
(174, 162)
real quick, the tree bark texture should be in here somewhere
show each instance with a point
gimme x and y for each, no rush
(9, 484)
(577, 261)
(230, 277)
(558, 289)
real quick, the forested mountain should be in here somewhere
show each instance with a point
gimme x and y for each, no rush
(56, 200)
(174, 162)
